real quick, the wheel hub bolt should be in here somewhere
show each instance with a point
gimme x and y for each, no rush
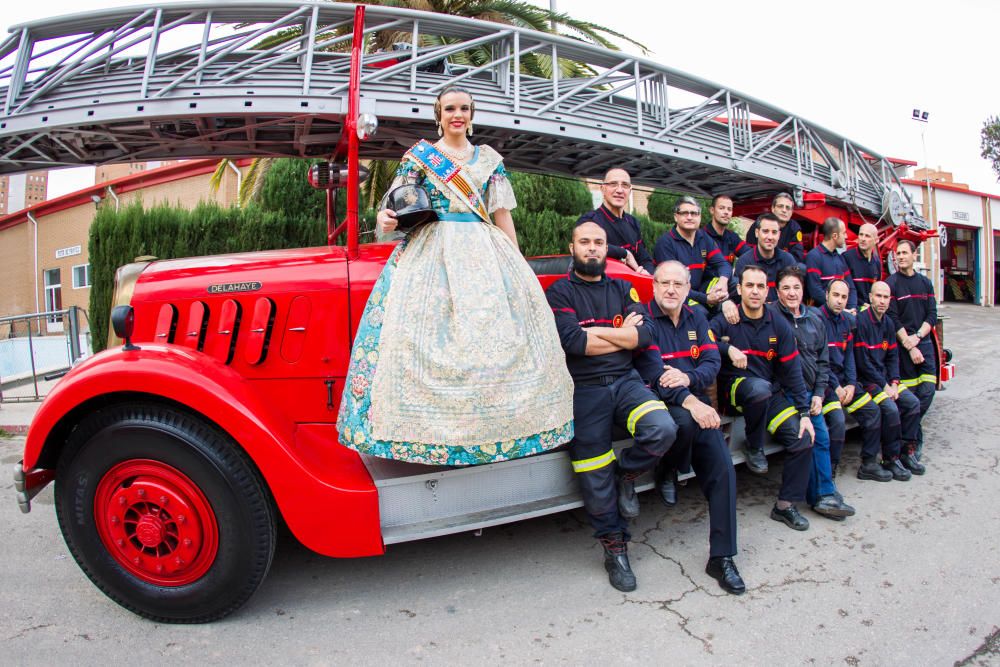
(137, 560)
(179, 560)
(181, 518)
(121, 500)
(120, 542)
(187, 541)
(163, 500)
(159, 569)
(141, 493)
(114, 520)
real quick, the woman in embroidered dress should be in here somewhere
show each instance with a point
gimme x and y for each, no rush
(456, 360)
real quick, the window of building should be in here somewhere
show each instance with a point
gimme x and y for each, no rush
(81, 276)
(53, 297)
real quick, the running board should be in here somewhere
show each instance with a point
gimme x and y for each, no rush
(422, 501)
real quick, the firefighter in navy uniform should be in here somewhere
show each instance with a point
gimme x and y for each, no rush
(624, 235)
(824, 263)
(767, 256)
(878, 373)
(600, 323)
(690, 245)
(782, 207)
(731, 245)
(680, 365)
(879, 422)
(864, 262)
(913, 309)
(760, 368)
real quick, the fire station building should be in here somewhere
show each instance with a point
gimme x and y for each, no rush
(43, 248)
(964, 262)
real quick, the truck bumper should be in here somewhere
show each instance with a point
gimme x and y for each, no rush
(28, 484)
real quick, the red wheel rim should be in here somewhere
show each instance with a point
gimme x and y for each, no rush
(156, 522)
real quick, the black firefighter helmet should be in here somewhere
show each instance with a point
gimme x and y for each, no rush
(412, 206)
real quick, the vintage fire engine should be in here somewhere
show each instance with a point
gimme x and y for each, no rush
(177, 451)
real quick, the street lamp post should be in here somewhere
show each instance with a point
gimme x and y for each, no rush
(922, 117)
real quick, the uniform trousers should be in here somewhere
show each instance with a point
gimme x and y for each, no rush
(763, 409)
(907, 414)
(921, 379)
(879, 425)
(709, 455)
(597, 408)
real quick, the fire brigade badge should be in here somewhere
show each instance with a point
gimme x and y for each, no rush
(695, 352)
(798, 236)
(885, 345)
(617, 322)
(633, 295)
(771, 354)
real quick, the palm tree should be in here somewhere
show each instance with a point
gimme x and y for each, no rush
(510, 12)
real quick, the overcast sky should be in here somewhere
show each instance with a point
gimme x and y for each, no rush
(855, 67)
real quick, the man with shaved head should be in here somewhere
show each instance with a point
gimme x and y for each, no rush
(877, 358)
(680, 365)
(864, 262)
(624, 235)
(600, 322)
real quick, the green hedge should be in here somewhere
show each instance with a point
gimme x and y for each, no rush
(165, 232)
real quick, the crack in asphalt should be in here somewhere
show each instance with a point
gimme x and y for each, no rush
(664, 605)
(25, 631)
(988, 649)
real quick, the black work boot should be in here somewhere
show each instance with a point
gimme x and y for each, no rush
(628, 499)
(756, 461)
(871, 470)
(898, 470)
(616, 562)
(666, 485)
(909, 460)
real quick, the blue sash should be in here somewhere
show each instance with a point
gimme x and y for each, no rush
(450, 174)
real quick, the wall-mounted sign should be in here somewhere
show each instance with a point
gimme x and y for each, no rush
(67, 252)
(960, 215)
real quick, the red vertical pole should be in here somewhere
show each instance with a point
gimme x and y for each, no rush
(351, 127)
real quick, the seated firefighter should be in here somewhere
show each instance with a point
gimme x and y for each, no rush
(680, 365)
(877, 359)
(761, 378)
(879, 422)
(600, 323)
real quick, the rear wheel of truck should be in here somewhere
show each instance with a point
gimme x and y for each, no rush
(164, 513)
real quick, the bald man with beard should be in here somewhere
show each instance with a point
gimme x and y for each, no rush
(865, 263)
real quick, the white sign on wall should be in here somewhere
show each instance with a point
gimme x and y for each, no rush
(960, 215)
(67, 252)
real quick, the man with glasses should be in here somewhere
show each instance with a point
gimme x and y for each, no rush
(680, 365)
(624, 234)
(690, 245)
(791, 234)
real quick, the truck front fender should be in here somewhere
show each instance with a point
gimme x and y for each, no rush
(323, 490)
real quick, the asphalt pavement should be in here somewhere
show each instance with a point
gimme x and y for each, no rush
(913, 579)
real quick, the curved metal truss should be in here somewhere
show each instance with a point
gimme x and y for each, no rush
(194, 80)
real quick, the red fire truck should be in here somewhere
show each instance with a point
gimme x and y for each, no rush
(177, 451)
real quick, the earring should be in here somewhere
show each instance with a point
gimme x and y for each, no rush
(440, 131)
(468, 130)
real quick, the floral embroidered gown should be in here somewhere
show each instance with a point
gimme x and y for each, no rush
(456, 360)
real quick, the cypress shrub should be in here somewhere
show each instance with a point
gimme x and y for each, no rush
(536, 193)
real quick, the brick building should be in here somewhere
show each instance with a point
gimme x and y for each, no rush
(43, 247)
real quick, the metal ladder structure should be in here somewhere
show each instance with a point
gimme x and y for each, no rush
(193, 79)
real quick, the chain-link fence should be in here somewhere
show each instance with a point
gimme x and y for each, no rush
(39, 348)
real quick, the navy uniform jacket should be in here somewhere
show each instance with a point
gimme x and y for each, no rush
(687, 347)
(578, 304)
(913, 301)
(875, 350)
(864, 272)
(623, 234)
(697, 256)
(790, 240)
(810, 339)
(731, 245)
(769, 344)
(840, 337)
(773, 266)
(822, 266)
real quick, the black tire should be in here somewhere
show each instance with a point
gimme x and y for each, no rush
(214, 473)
